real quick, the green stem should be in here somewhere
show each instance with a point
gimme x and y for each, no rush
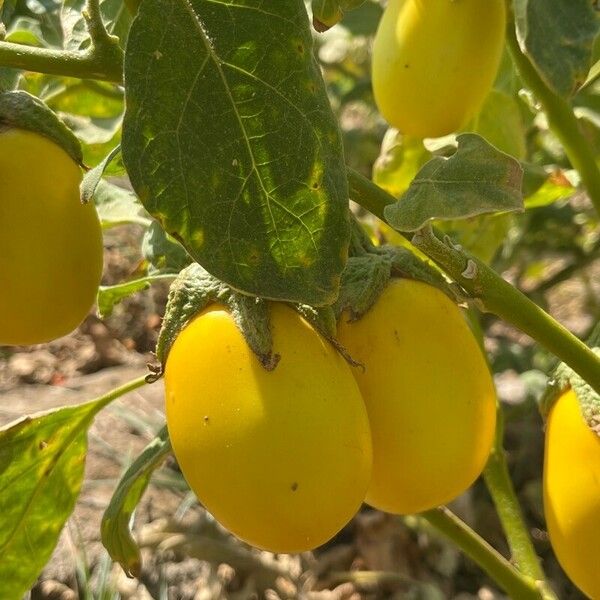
(117, 392)
(103, 60)
(500, 486)
(515, 584)
(561, 118)
(501, 298)
(85, 65)
(483, 284)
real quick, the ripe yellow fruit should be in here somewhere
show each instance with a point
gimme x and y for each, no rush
(50, 244)
(572, 492)
(281, 458)
(434, 62)
(429, 395)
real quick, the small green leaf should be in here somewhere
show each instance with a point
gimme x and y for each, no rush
(164, 253)
(501, 124)
(42, 460)
(399, 161)
(116, 521)
(110, 295)
(92, 178)
(93, 130)
(117, 206)
(557, 36)
(477, 179)
(552, 190)
(231, 144)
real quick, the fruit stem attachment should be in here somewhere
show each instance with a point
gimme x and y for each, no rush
(500, 486)
(483, 284)
(514, 583)
(561, 118)
(103, 60)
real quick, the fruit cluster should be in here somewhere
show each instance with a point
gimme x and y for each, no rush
(284, 458)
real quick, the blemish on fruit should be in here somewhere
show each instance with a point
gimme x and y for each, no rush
(294, 486)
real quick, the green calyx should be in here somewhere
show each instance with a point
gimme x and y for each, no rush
(195, 289)
(21, 110)
(564, 378)
(370, 268)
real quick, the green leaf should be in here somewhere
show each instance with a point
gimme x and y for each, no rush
(110, 295)
(500, 123)
(553, 189)
(164, 253)
(117, 206)
(92, 178)
(92, 130)
(25, 31)
(116, 521)
(42, 460)
(477, 179)
(558, 36)
(231, 144)
(400, 159)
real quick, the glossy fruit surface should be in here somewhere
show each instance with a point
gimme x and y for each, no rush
(572, 493)
(429, 395)
(50, 244)
(434, 62)
(281, 458)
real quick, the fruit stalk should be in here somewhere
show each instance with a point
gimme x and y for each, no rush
(514, 583)
(561, 118)
(500, 486)
(494, 294)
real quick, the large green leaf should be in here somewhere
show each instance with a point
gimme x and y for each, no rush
(558, 36)
(231, 144)
(41, 469)
(477, 179)
(117, 519)
(42, 459)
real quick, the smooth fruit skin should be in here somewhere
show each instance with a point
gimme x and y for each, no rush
(572, 493)
(281, 458)
(50, 244)
(434, 62)
(429, 395)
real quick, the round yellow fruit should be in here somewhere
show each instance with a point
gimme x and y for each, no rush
(281, 458)
(434, 62)
(50, 244)
(429, 395)
(572, 492)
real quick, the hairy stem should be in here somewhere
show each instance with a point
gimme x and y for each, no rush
(483, 284)
(500, 486)
(85, 65)
(561, 118)
(514, 583)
